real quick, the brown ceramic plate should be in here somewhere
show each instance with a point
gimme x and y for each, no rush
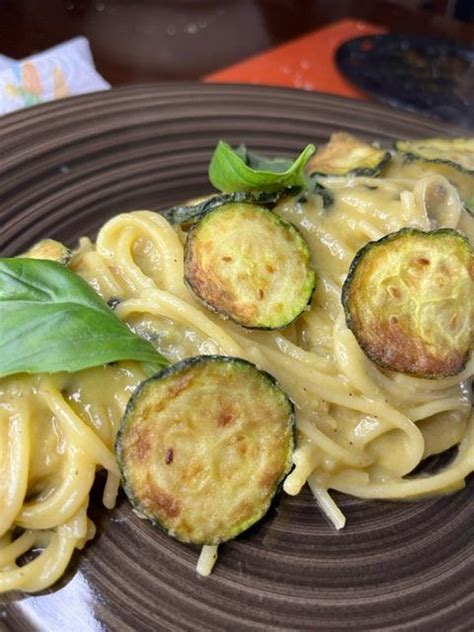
(64, 169)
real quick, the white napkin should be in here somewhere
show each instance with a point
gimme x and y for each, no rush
(58, 72)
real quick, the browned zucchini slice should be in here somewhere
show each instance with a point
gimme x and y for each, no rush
(345, 154)
(49, 249)
(457, 152)
(190, 213)
(409, 300)
(203, 447)
(249, 264)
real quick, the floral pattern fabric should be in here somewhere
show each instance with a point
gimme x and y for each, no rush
(62, 71)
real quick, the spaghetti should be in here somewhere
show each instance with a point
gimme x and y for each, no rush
(360, 429)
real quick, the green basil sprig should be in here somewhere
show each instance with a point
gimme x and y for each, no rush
(233, 170)
(51, 320)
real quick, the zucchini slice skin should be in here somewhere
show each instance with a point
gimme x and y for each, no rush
(190, 213)
(248, 264)
(345, 154)
(51, 250)
(325, 194)
(456, 152)
(409, 300)
(204, 446)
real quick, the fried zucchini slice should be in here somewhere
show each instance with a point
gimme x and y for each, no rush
(469, 206)
(456, 152)
(247, 263)
(204, 446)
(409, 300)
(345, 154)
(190, 213)
(51, 250)
(325, 194)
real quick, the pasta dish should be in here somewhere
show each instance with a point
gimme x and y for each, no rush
(362, 427)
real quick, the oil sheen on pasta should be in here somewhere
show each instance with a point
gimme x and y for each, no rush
(361, 430)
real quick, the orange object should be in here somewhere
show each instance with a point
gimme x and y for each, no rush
(306, 62)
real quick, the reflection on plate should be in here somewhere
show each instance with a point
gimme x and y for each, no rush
(64, 169)
(426, 75)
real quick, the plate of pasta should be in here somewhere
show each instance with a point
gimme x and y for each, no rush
(236, 330)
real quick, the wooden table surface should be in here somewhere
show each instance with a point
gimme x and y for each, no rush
(137, 41)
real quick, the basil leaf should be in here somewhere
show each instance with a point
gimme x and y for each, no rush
(262, 163)
(240, 170)
(51, 320)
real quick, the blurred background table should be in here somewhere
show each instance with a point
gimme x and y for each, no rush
(135, 41)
